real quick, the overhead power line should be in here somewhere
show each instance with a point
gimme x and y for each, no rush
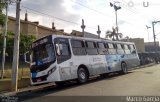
(105, 14)
(51, 16)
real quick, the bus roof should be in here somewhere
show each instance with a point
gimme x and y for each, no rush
(82, 38)
(98, 40)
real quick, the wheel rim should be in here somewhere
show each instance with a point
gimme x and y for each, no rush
(82, 75)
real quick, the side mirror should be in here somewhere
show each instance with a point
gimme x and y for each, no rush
(59, 49)
(27, 57)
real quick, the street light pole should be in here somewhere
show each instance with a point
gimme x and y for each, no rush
(154, 36)
(16, 49)
(116, 8)
(148, 31)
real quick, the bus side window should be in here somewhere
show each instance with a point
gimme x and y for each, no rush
(62, 49)
(111, 48)
(78, 47)
(91, 48)
(133, 50)
(107, 46)
(120, 49)
(101, 48)
(126, 48)
(65, 49)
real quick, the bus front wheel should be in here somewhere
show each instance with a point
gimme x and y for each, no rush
(124, 69)
(60, 84)
(82, 75)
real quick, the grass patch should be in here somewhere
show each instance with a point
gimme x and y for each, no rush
(5, 85)
(23, 76)
(23, 71)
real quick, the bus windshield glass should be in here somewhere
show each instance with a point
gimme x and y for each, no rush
(43, 54)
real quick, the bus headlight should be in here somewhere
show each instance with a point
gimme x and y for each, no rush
(51, 70)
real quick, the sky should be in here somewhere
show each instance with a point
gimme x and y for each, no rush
(68, 14)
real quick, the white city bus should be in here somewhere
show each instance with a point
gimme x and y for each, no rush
(57, 58)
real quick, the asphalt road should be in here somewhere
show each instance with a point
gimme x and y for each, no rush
(139, 82)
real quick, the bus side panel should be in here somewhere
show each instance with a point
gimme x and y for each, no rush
(76, 62)
(98, 64)
(64, 70)
(112, 62)
(134, 60)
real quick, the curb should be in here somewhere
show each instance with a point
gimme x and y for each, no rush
(28, 89)
(142, 66)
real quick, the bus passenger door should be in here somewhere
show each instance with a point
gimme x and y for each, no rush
(63, 58)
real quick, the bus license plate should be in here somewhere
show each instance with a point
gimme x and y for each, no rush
(38, 80)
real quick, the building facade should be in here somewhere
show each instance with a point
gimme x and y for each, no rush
(86, 34)
(33, 28)
(150, 47)
(139, 43)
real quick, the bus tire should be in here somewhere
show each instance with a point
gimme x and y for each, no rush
(104, 75)
(60, 83)
(82, 75)
(124, 69)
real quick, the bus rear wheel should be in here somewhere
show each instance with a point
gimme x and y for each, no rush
(82, 75)
(124, 69)
(104, 75)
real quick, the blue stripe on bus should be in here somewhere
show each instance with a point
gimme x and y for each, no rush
(34, 75)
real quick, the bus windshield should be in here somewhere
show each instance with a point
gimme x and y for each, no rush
(43, 54)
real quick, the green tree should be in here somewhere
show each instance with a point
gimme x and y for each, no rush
(25, 41)
(2, 16)
(113, 34)
(2, 19)
(3, 5)
(10, 42)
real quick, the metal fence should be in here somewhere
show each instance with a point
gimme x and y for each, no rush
(149, 57)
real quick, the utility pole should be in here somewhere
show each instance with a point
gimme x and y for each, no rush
(154, 36)
(98, 32)
(4, 42)
(16, 49)
(83, 27)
